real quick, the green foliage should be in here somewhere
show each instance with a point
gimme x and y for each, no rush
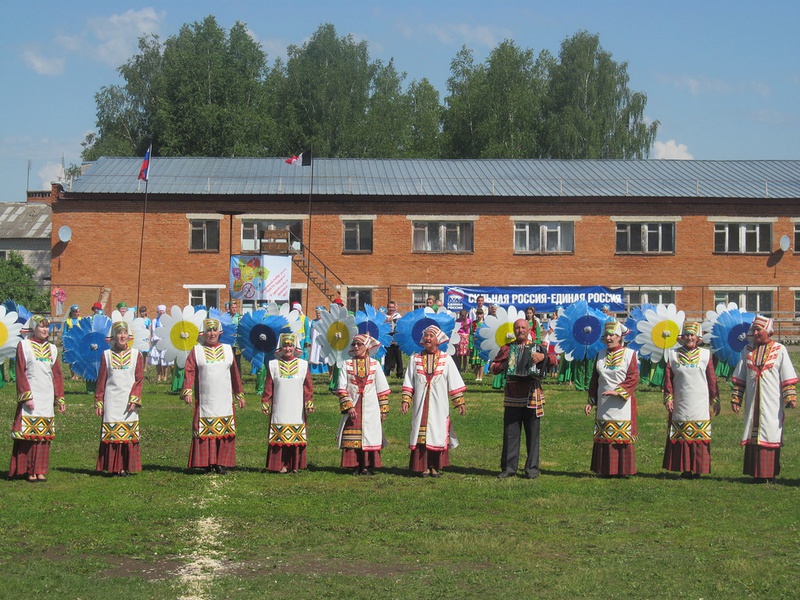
(208, 92)
(18, 283)
(168, 533)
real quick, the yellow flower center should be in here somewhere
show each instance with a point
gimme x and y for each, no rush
(3, 334)
(501, 334)
(187, 341)
(338, 336)
(665, 334)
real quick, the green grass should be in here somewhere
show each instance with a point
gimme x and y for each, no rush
(169, 533)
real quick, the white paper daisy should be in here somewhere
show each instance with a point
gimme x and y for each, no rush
(179, 333)
(9, 333)
(659, 331)
(140, 336)
(337, 328)
(499, 330)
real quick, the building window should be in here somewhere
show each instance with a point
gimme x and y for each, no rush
(357, 236)
(550, 237)
(208, 297)
(797, 305)
(743, 238)
(357, 298)
(753, 301)
(421, 296)
(204, 235)
(796, 245)
(437, 236)
(645, 238)
(3, 254)
(256, 230)
(635, 298)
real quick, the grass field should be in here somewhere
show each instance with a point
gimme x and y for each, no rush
(170, 533)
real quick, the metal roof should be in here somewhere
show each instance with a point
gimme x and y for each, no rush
(418, 177)
(20, 220)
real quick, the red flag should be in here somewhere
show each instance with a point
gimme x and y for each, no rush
(302, 160)
(144, 172)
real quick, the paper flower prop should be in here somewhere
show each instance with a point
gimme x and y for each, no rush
(499, 331)
(258, 335)
(410, 326)
(85, 343)
(725, 332)
(179, 333)
(659, 331)
(140, 336)
(579, 331)
(374, 323)
(336, 328)
(9, 333)
(632, 323)
(23, 314)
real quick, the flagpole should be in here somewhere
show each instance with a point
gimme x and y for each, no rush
(144, 214)
(308, 270)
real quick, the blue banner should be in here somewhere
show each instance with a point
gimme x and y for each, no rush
(544, 298)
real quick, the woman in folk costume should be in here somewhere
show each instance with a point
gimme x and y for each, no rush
(288, 397)
(213, 384)
(40, 390)
(364, 401)
(432, 381)
(117, 400)
(690, 393)
(611, 394)
(764, 379)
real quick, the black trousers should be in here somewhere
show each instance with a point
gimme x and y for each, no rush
(514, 420)
(393, 360)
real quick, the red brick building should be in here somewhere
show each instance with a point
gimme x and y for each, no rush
(690, 232)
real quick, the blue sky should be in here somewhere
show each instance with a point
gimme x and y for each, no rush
(723, 78)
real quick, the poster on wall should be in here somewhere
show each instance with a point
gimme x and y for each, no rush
(261, 278)
(542, 298)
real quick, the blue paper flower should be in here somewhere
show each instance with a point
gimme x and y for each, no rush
(374, 323)
(579, 331)
(725, 331)
(258, 334)
(632, 322)
(410, 326)
(85, 343)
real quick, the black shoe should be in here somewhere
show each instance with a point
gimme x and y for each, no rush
(531, 475)
(505, 474)
(220, 470)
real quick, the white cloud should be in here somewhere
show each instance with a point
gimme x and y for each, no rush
(461, 33)
(706, 85)
(671, 150)
(117, 36)
(43, 65)
(48, 173)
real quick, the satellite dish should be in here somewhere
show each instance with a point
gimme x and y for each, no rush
(64, 233)
(785, 243)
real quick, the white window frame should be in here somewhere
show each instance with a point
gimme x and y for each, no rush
(199, 290)
(442, 223)
(648, 227)
(741, 297)
(544, 225)
(202, 220)
(253, 244)
(743, 228)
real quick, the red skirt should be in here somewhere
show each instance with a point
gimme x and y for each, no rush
(761, 462)
(291, 458)
(355, 458)
(119, 457)
(29, 457)
(683, 456)
(613, 459)
(206, 452)
(423, 459)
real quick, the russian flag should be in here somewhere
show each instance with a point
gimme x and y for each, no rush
(144, 172)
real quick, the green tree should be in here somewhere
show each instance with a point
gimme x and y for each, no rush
(125, 112)
(425, 120)
(589, 110)
(323, 102)
(212, 101)
(18, 283)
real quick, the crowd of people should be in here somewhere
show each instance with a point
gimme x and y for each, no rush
(763, 387)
